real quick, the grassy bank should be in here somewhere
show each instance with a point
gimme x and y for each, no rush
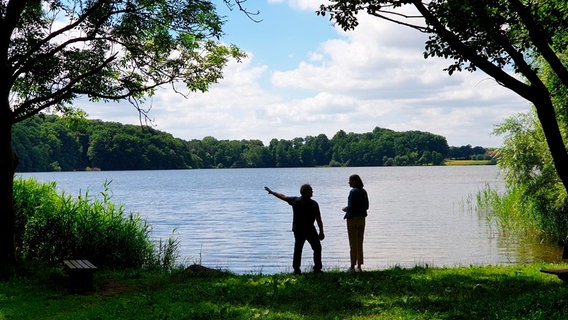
(512, 292)
(468, 162)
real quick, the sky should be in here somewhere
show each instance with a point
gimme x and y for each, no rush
(303, 76)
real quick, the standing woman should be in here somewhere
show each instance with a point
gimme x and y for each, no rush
(355, 213)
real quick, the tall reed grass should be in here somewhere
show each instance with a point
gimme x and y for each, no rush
(515, 212)
(52, 226)
(501, 211)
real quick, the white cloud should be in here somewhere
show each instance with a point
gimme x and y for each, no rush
(301, 4)
(356, 81)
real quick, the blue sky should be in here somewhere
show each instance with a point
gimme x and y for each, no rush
(303, 77)
(281, 37)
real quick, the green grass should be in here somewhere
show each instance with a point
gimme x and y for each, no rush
(492, 292)
(468, 162)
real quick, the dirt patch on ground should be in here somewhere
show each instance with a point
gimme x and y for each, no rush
(112, 288)
(197, 268)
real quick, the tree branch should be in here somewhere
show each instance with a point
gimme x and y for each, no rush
(14, 10)
(68, 27)
(540, 39)
(413, 26)
(26, 106)
(470, 54)
(239, 4)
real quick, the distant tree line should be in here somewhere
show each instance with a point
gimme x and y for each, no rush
(468, 152)
(52, 143)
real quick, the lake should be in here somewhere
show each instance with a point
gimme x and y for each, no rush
(224, 218)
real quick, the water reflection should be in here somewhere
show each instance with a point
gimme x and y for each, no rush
(523, 249)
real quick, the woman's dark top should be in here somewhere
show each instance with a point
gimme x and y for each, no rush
(357, 204)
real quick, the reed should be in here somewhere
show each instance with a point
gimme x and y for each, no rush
(52, 226)
(515, 211)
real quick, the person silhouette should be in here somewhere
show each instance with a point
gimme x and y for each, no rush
(305, 212)
(355, 214)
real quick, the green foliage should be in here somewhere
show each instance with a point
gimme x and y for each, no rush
(534, 187)
(125, 50)
(113, 146)
(535, 197)
(47, 144)
(505, 212)
(52, 227)
(164, 256)
(468, 153)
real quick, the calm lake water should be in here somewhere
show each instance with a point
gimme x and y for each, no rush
(224, 218)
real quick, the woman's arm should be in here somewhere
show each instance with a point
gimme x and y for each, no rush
(346, 209)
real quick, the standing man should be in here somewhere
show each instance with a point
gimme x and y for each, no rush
(306, 211)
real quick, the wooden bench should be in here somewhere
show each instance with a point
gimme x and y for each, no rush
(561, 273)
(80, 275)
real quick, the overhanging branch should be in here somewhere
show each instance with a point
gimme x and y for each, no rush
(540, 39)
(27, 105)
(470, 54)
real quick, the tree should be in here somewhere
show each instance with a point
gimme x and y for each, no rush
(530, 176)
(321, 149)
(490, 35)
(53, 52)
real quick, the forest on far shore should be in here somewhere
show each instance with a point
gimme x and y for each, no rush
(53, 143)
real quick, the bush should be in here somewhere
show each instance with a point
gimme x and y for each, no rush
(52, 227)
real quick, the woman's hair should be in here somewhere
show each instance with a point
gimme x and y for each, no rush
(358, 183)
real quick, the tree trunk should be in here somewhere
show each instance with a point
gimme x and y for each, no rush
(547, 118)
(8, 164)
